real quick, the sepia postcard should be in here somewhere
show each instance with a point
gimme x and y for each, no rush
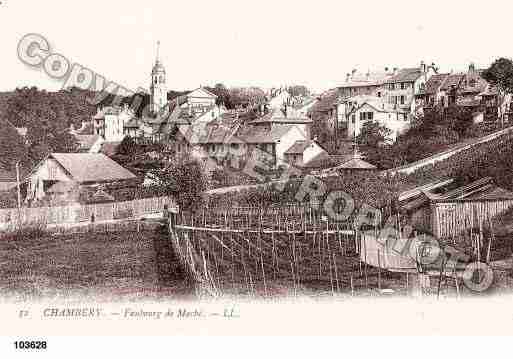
(250, 168)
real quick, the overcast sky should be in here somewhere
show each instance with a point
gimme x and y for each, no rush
(262, 43)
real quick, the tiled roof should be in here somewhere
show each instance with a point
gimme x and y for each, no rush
(298, 147)
(277, 116)
(405, 75)
(368, 79)
(258, 135)
(92, 167)
(435, 82)
(452, 80)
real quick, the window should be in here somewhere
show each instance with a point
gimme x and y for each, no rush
(370, 115)
(379, 93)
(402, 85)
(402, 100)
(392, 86)
(353, 118)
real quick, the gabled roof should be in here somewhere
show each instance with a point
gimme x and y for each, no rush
(91, 167)
(201, 89)
(379, 105)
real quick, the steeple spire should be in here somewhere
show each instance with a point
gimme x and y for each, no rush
(158, 50)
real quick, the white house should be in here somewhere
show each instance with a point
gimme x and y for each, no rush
(395, 119)
(200, 97)
(302, 152)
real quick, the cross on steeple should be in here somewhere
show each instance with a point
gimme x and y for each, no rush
(158, 50)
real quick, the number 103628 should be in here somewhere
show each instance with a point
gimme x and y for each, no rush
(30, 345)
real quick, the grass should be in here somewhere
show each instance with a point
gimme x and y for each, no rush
(122, 265)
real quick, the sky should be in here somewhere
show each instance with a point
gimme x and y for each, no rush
(252, 43)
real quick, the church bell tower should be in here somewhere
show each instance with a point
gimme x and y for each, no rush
(158, 88)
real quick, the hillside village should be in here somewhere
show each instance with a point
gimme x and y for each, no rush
(320, 134)
(243, 189)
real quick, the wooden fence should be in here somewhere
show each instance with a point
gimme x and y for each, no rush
(81, 213)
(452, 218)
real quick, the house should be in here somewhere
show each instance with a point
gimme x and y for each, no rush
(200, 98)
(368, 84)
(282, 117)
(377, 110)
(303, 152)
(405, 84)
(466, 89)
(84, 169)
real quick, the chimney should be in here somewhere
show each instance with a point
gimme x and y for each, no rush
(422, 66)
(348, 77)
(353, 73)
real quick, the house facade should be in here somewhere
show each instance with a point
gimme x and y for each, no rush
(73, 169)
(376, 110)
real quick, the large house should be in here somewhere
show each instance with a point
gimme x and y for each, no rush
(465, 89)
(387, 97)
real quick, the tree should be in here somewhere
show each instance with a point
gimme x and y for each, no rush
(373, 134)
(298, 90)
(184, 179)
(500, 75)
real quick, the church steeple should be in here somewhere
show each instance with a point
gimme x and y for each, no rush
(158, 84)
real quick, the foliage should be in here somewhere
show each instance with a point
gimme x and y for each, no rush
(47, 117)
(184, 179)
(364, 188)
(373, 134)
(223, 177)
(436, 131)
(500, 75)
(298, 90)
(493, 158)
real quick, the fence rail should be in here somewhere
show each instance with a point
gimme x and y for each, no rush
(77, 213)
